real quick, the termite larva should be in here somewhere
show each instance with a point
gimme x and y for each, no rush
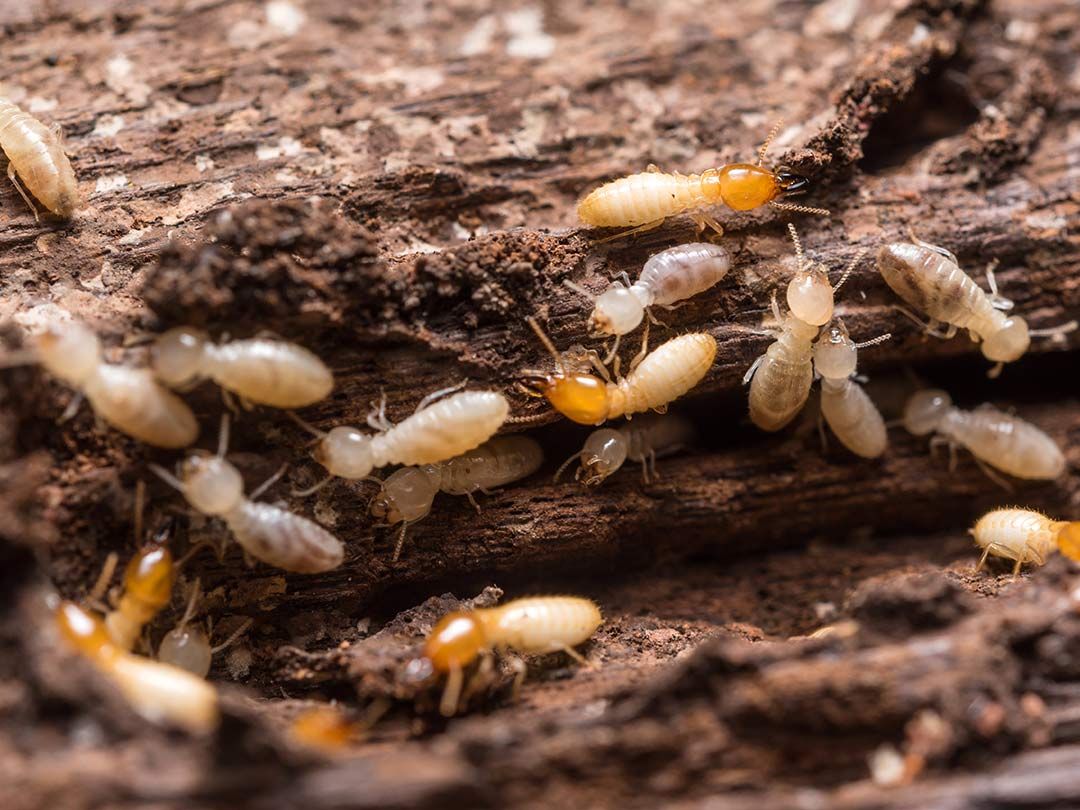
(259, 370)
(406, 495)
(36, 157)
(129, 399)
(643, 440)
(643, 201)
(159, 692)
(187, 645)
(533, 626)
(435, 432)
(845, 405)
(268, 533)
(929, 278)
(1025, 536)
(1005, 442)
(663, 376)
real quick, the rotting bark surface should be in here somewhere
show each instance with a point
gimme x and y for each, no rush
(394, 187)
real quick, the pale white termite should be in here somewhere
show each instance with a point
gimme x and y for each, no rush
(1025, 536)
(36, 157)
(406, 496)
(533, 626)
(187, 645)
(929, 278)
(643, 440)
(260, 370)
(268, 533)
(845, 405)
(129, 399)
(435, 432)
(1005, 442)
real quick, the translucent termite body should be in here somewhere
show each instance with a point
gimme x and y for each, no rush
(159, 692)
(664, 375)
(643, 201)
(1025, 536)
(1005, 442)
(129, 399)
(260, 370)
(929, 279)
(406, 496)
(643, 440)
(533, 626)
(36, 161)
(187, 645)
(148, 585)
(845, 405)
(268, 533)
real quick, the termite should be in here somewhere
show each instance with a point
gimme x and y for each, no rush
(929, 278)
(36, 157)
(994, 438)
(258, 370)
(780, 379)
(668, 277)
(643, 440)
(845, 405)
(532, 626)
(406, 496)
(268, 533)
(129, 399)
(643, 201)
(663, 376)
(435, 432)
(159, 692)
(187, 645)
(1025, 536)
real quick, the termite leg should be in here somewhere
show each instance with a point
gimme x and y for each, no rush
(481, 679)
(18, 187)
(472, 500)
(101, 585)
(451, 692)
(562, 467)
(821, 432)
(269, 482)
(614, 349)
(982, 559)
(648, 226)
(644, 349)
(1016, 568)
(520, 671)
(377, 418)
(442, 392)
(230, 402)
(775, 307)
(652, 168)
(995, 371)
(993, 476)
(223, 436)
(932, 328)
(578, 657)
(749, 375)
(598, 365)
(997, 300)
(936, 248)
(71, 409)
(703, 221)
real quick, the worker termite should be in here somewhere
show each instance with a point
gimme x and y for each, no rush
(533, 626)
(668, 277)
(259, 370)
(268, 533)
(187, 645)
(929, 278)
(1025, 536)
(129, 399)
(435, 432)
(36, 157)
(663, 376)
(159, 692)
(994, 438)
(406, 496)
(643, 440)
(845, 406)
(643, 201)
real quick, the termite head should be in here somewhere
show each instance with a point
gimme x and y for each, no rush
(345, 452)
(604, 453)
(1069, 540)
(926, 410)
(617, 312)
(187, 647)
(211, 484)
(177, 355)
(69, 351)
(150, 575)
(741, 186)
(580, 397)
(455, 641)
(406, 495)
(1009, 343)
(810, 295)
(83, 630)
(835, 353)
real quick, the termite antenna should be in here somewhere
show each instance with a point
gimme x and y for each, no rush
(578, 289)
(140, 506)
(802, 209)
(768, 141)
(547, 343)
(528, 420)
(239, 631)
(800, 257)
(310, 428)
(874, 341)
(193, 601)
(1055, 332)
(104, 578)
(849, 269)
(562, 467)
(166, 476)
(948, 254)
(223, 436)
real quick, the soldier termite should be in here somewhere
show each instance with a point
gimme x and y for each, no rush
(406, 496)
(1024, 536)
(435, 432)
(187, 645)
(664, 375)
(259, 370)
(994, 438)
(668, 277)
(845, 406)
(643, 440)
(159, 692)
(268, 533)
(533, 626)
(643, 201)
(36, 157)
(129, 399)
(929, 278)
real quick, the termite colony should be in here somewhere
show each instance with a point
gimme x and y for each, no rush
(451, 443)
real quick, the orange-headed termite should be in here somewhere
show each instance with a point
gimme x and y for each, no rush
(36, 158)
(643, 440)
(1025, 536)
